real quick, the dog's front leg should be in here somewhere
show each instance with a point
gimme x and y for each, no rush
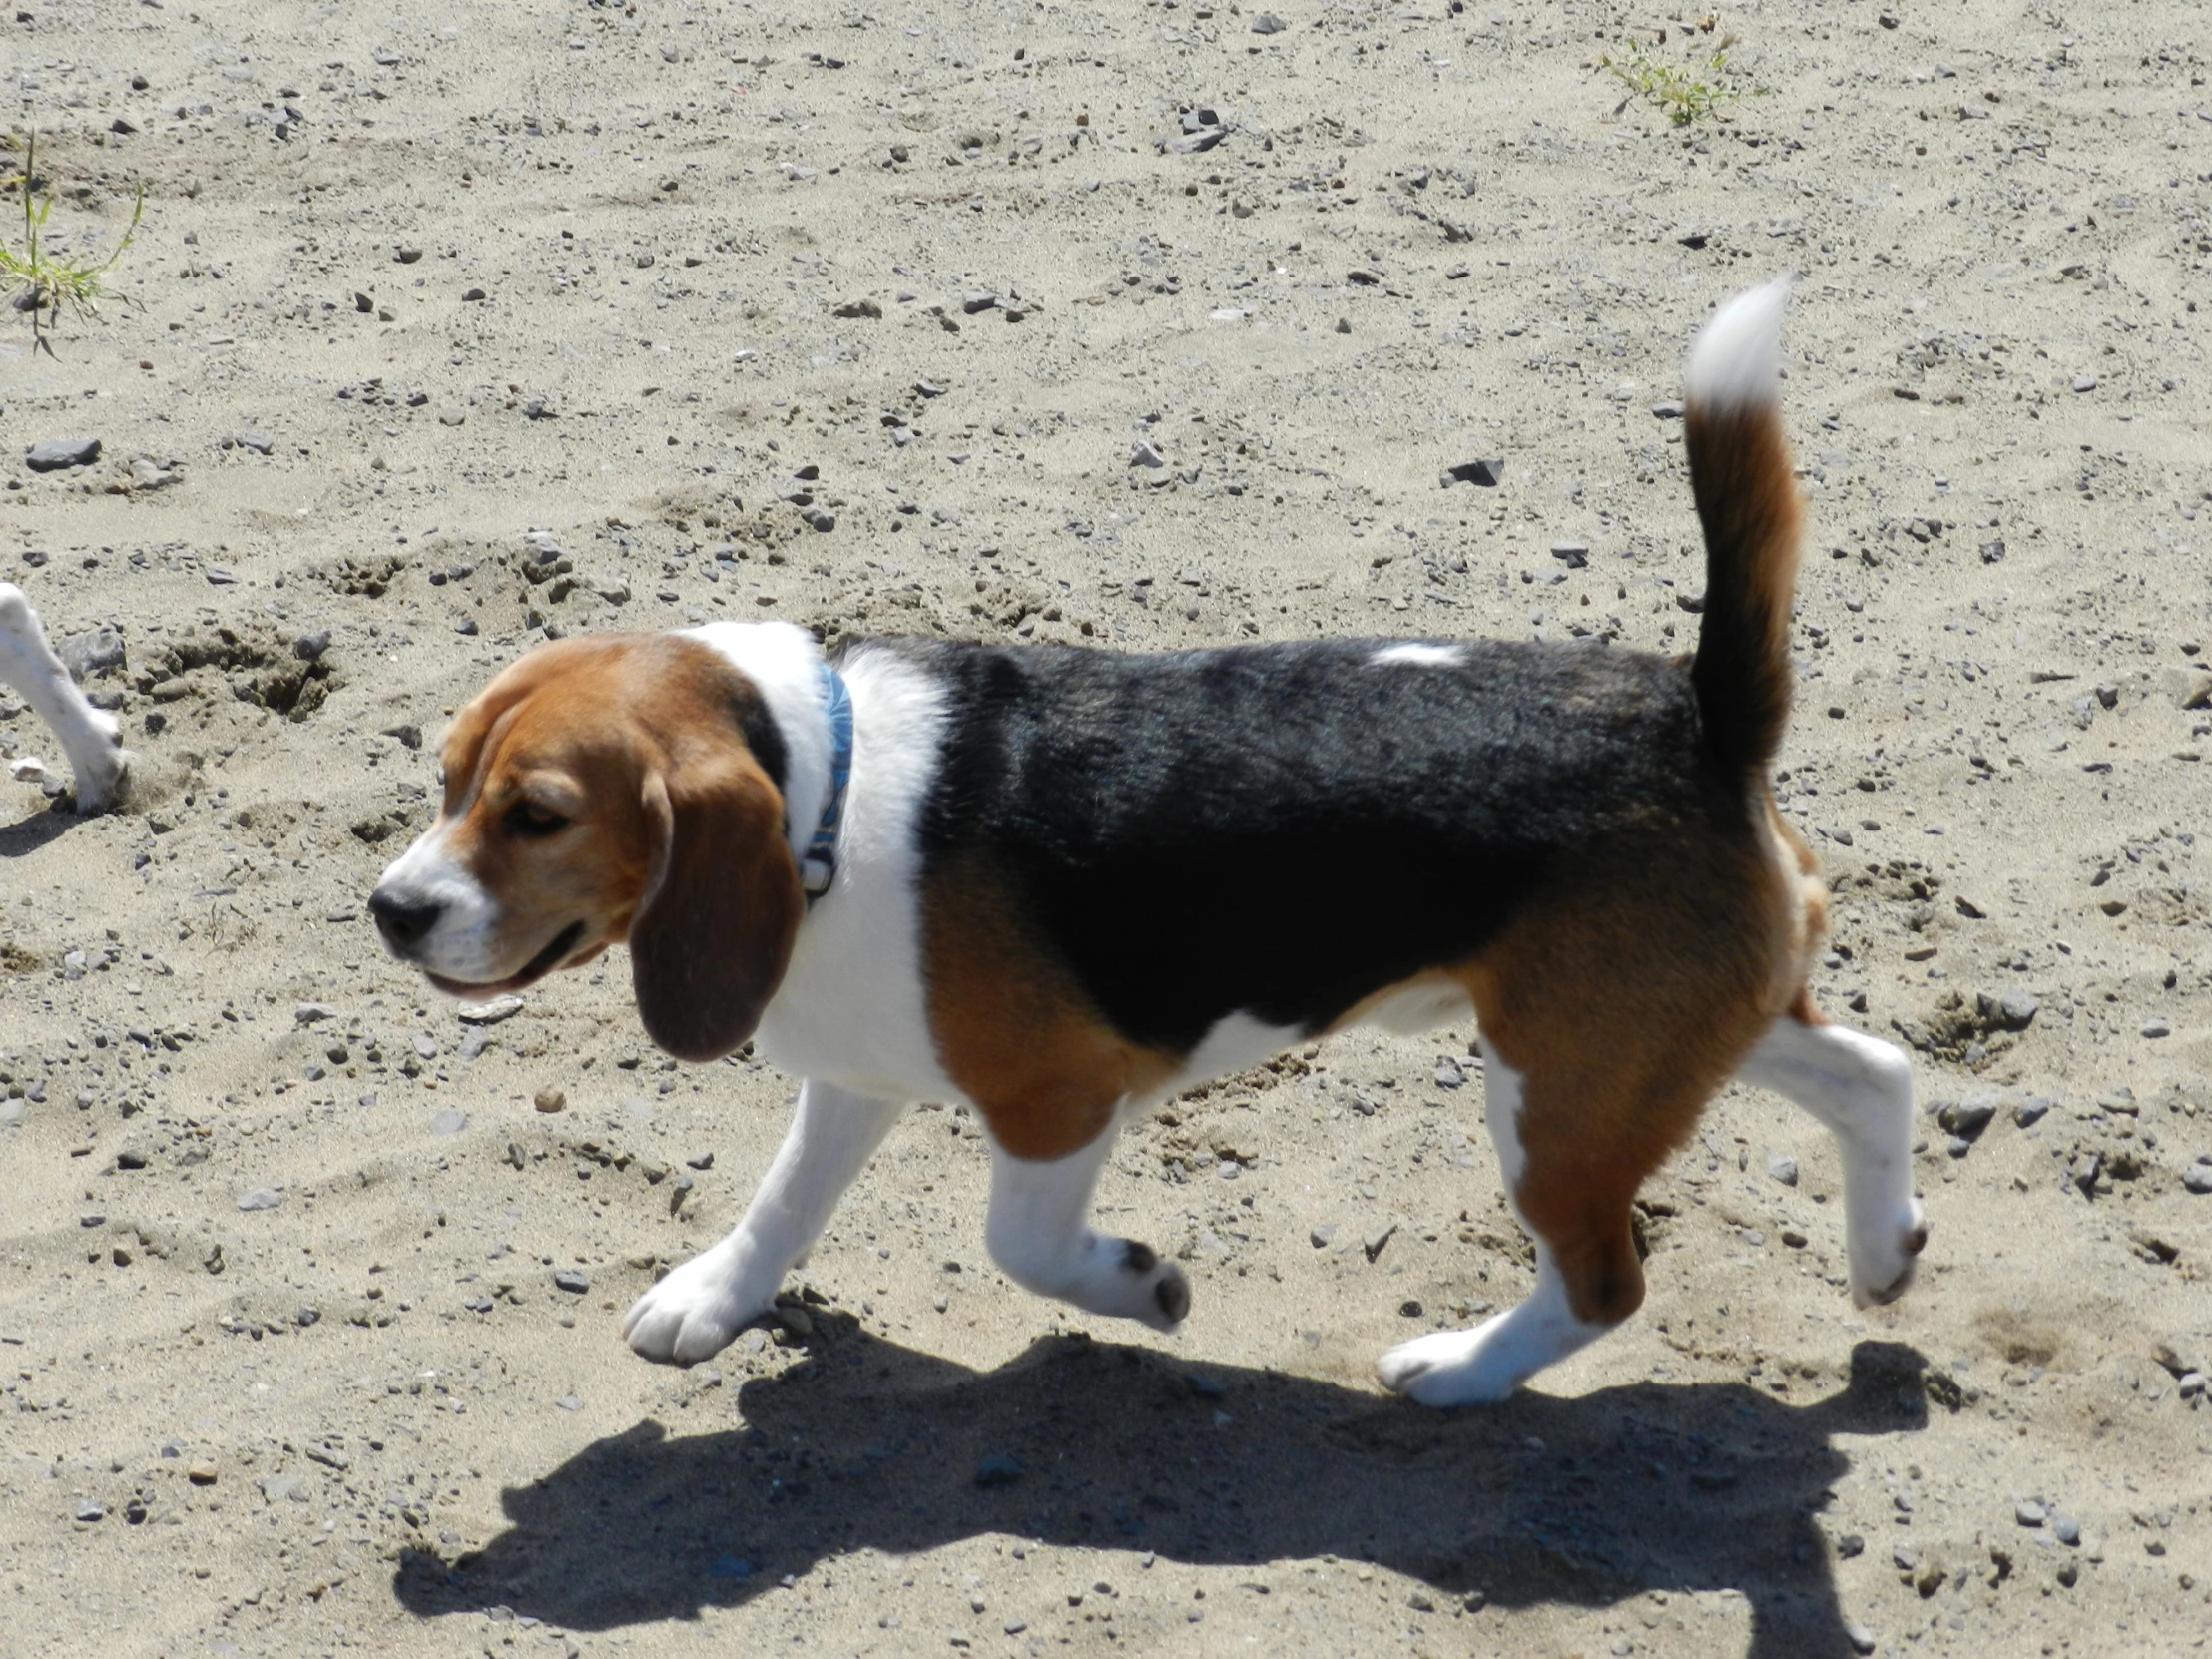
(692, 1313)
(88, 736)
(1039, 1232)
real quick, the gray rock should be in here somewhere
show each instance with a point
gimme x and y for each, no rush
(2066, 1530)
(1968, 1117)
(11, 1113)
(1782, 1167)
(1450, 1076)
(312, 1014)
(613, 589)
(2085, 382)
(1267, 23)
(311, 646)
(89, 1510)
(1375, 1237)
(2030, 1514)
(569, 1402)
(972, 303)
(1488, 474)
(1321, 1235)
(57, 454)
(703, 1160)
(2005, 1011)
(492, 1013)
(2197, 1177)
(2031, 1111)
(1670, 409)
(572, 1280)
(2158, 1028)
(1142, 453)
(284, 1488)
(1861, 1639)
(262, 1197)
(451, 1121)
(1576, 555)
(260, 443)
(149, 475)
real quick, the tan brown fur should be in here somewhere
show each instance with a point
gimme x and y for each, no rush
(1624, 999)
(1012, 1027)
(634, 737)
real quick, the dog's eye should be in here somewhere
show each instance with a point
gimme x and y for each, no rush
(528, 817)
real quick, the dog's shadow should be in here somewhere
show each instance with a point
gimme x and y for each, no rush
(867, 1444)
(27, 834)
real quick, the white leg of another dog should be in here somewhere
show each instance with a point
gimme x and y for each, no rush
(88, 736)
(1862, 1089)
(694, 1313)
(1039, 1232)
(1481, 1366)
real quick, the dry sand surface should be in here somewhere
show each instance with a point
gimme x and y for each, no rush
(455, 327)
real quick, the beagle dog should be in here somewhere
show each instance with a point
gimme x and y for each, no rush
(89, 737)
(1059, 886)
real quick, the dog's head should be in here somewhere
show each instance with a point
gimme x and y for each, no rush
(619, 788)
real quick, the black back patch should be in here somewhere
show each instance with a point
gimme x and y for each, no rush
(1281, 831)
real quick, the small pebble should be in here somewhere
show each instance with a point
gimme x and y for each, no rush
(550, 1101)
(2030, 1514)
(1860, 1637)
(1783, 1168)
(572, 1280)
(2157, 1028)
(89, 1510)
(260, 1198)
(451, 1121)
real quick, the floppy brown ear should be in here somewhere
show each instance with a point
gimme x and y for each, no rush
(708, 945)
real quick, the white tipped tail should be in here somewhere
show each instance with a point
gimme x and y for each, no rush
(1737, 359)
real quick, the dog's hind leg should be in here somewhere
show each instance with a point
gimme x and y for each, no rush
(1862, 1089)
(1040, 1233)
(1575, 1202)
(692, 1313)
(88, 736)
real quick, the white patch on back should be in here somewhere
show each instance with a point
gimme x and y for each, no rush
(1417, 654)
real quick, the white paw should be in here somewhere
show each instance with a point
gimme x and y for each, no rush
(1153, 1289)
(1882, 1266)
(1453, 1367)
(100, 784)
(693, 1313)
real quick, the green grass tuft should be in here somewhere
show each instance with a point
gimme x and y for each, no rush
(1686, 92)
(45, 281)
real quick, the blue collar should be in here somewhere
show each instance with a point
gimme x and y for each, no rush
(819, 868)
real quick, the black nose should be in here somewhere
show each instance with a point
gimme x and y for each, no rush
(403, 921)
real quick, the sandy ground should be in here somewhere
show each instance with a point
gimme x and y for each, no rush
(854, 315)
